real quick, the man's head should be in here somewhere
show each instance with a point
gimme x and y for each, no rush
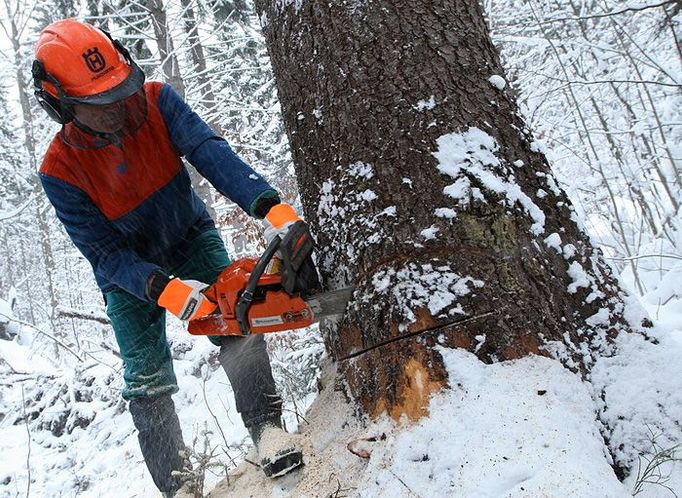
(80, 72)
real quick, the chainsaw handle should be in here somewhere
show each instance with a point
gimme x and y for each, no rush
(244, 301)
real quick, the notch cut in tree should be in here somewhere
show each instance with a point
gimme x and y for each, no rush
(427, 192)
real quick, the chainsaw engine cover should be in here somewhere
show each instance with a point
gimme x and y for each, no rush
(272, 309)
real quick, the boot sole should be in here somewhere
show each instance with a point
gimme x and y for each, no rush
(284, 464)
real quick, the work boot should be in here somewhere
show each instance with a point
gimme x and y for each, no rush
(160, 438)
(278, 451)
(185, 491)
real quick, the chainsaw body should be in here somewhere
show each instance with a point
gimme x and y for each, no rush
(252, 301)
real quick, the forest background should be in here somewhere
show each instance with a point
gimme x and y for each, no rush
(598, 83)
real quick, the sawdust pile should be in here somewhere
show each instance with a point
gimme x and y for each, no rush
(330, 468)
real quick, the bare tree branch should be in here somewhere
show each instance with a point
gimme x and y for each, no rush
(64, 312)
(610, 14)
(42, 332)
(642, 256)
(6, 215)
(602, 82)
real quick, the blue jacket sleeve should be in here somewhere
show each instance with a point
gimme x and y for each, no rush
(211, 155)
(94, 236)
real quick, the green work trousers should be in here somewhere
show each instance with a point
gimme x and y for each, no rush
(140, 326)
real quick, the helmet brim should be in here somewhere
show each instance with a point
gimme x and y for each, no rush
(123, 90)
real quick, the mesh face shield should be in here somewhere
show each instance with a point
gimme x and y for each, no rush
(99, 125)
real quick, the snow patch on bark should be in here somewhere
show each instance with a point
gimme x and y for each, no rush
(283, 4)
(368, 195)
(497, 81)
(445, 213)
(551, 183)
(569, 251)
(554, 241)
(472, 154)
(579, 276)
(419, 286)
(361, 170)
(348, 201)
(426, 104)
(430, 233)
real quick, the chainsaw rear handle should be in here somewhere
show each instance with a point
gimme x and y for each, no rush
(246, 298)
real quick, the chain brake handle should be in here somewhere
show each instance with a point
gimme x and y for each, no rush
(246, 297)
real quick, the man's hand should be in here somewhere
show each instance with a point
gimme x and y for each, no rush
(296, 249)
(184, 298)
(278, 220)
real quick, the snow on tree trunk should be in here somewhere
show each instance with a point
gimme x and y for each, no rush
(427, 193)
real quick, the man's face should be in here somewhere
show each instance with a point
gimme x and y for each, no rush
(107, 118)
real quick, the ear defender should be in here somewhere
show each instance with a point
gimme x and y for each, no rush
(59, 112)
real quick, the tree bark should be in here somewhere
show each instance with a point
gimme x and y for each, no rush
(169, 60)
(428, 194)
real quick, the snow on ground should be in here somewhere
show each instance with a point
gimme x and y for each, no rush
(104, 459)
(640, 386)
(519, 428)
(524, 428)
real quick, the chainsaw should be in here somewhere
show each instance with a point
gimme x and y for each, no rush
(251, 300)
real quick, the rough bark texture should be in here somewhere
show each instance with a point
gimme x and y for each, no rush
(367, 89)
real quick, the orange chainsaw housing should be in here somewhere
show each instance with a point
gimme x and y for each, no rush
(272, 309)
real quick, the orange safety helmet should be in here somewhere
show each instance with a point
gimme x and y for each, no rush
(76, 63)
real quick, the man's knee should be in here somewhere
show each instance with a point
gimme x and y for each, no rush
(149, 380)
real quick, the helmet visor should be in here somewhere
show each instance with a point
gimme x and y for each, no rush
(98, 125)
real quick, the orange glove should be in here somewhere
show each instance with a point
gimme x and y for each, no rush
(184, 298)
(296, 249)
(278, 220)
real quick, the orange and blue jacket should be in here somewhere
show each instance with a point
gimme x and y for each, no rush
(129, 207)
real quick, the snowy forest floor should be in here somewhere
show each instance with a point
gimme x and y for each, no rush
(524, 428)
(521, 428)
(80, 440)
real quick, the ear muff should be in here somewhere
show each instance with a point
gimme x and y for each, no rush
(57, 110)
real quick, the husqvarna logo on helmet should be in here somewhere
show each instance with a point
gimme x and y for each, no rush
(94, 60)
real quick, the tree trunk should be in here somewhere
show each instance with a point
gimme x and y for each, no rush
(30, 150)
(427, 193)
(204, 83)
(169, 59)
(171, 71)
